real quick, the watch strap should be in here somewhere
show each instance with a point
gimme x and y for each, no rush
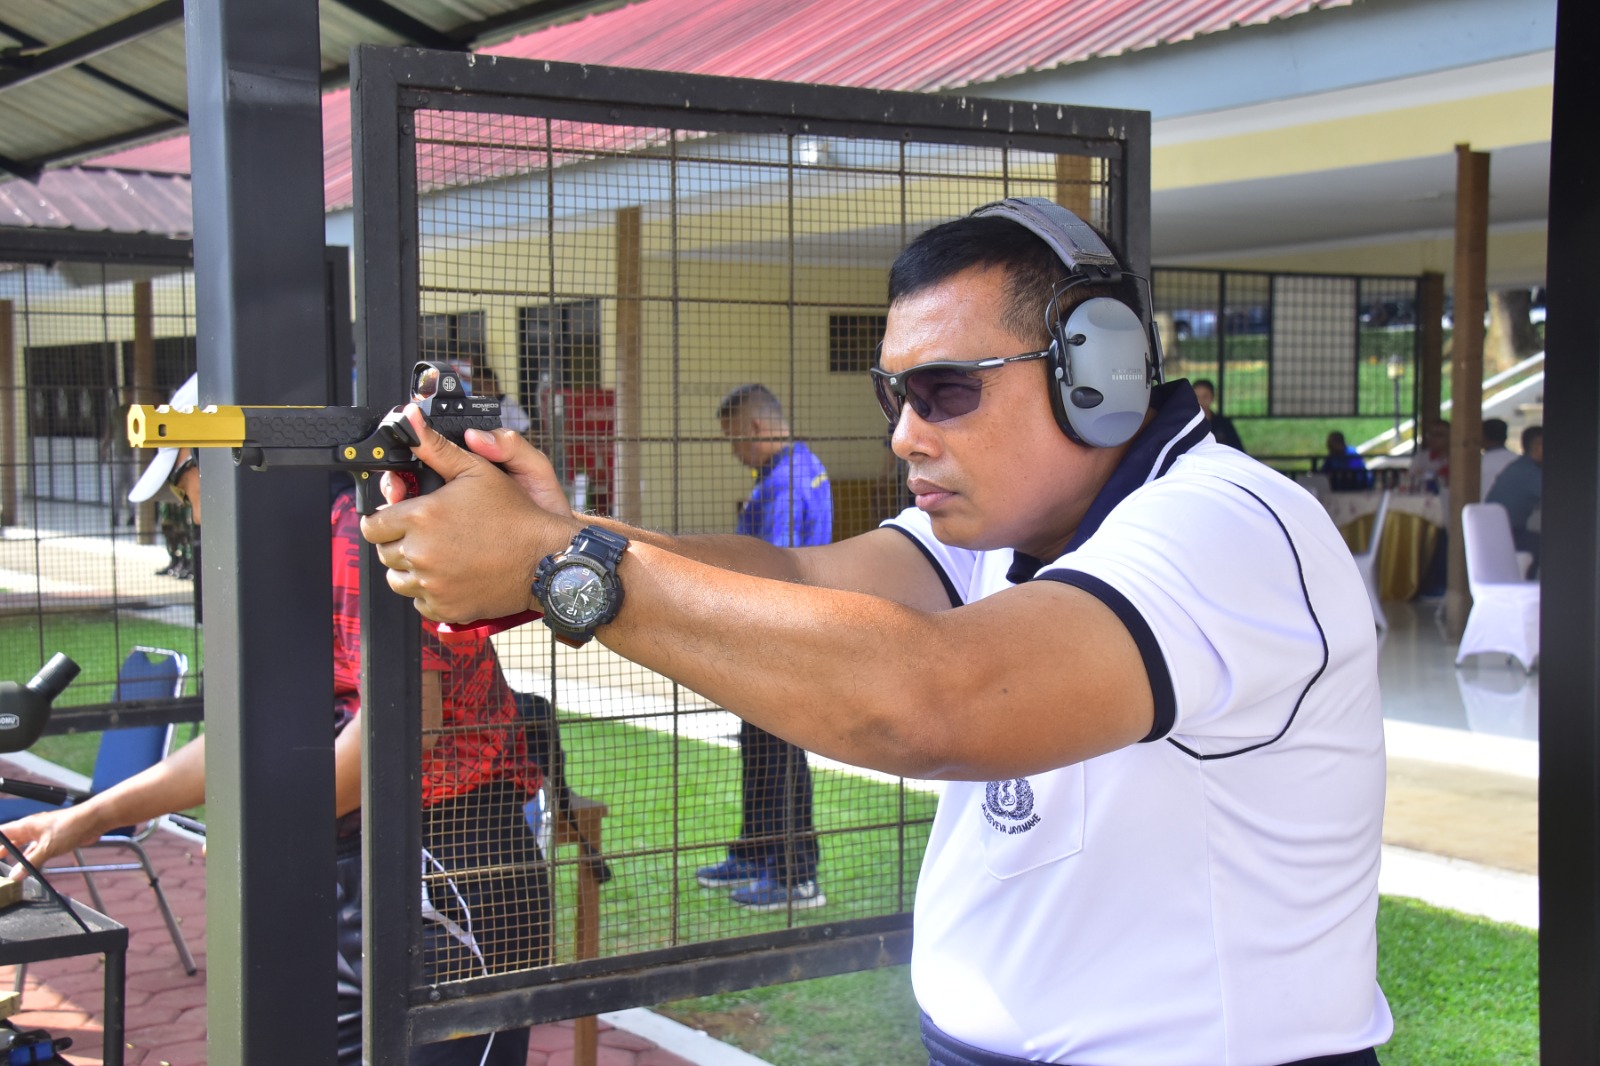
(599, 544)
(592, 542)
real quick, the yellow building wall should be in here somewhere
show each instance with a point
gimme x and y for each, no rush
(728, 313)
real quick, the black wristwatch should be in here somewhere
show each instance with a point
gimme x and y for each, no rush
(578, 587)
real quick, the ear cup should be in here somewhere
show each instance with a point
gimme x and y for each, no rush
(1100, 360)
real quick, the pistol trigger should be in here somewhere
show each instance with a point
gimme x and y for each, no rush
(367, 495)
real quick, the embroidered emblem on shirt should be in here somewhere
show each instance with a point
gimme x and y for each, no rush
(1008, 806)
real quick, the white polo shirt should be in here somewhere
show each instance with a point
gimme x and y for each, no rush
(1208, 896)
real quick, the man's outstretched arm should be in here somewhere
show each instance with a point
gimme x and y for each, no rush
(848, 649)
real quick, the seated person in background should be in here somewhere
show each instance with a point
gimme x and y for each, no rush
(1430, 465)
(1430, 472)
(1519, 489)
(1221, 425)
(1496, 456)
(1346, 470)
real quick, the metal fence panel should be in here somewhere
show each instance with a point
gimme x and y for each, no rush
(619, 250)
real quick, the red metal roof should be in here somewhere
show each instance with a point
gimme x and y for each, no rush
(912, 45)
(915, 45)
(96, 200)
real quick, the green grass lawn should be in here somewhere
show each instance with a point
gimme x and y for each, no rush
(97, 642)
(674, 804)
(1464, 992)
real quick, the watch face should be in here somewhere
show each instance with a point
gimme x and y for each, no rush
(577, 595)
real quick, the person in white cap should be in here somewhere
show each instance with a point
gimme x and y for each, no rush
(178, 468)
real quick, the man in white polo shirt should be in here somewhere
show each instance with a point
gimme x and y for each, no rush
(1144, 663)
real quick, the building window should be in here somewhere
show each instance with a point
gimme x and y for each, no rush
(853, 342)
(454, 338)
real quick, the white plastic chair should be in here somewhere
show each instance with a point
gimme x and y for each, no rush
(1316, 484)
(1505, 608)
(1367, 561)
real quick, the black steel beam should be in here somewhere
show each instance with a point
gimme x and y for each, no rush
(96, 42)
(1569, 687)
(401, 24)
(40, 245)
(391, 693)
(25, 171)
(576, 998)
(256, 151)
(27, 40)
(95, 717)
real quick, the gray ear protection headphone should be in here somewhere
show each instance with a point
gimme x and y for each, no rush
(1105, 357)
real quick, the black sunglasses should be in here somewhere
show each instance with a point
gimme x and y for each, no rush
(938, 391)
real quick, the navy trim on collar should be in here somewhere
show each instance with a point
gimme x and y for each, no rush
(1178, 426)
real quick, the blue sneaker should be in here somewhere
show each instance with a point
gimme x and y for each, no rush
(769, 894)
(730, 873)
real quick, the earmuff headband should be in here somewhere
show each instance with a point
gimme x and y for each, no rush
(1072, 239)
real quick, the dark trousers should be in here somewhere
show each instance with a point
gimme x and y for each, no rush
(776, 829)
(946, 1050)
(503, 913)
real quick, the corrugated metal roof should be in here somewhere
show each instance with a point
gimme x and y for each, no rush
(80, 77)
(910, 45)
(916, 45)
(95, 200)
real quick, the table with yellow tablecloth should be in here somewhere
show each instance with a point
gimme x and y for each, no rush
(1409, 534)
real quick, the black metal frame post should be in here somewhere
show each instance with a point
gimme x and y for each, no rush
(1569, 691)
(391, 694)
(256, 146)
(390, 86)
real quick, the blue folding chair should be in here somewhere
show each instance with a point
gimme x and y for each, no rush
(146, 674)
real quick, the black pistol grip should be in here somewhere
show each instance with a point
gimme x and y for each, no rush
(369, 494)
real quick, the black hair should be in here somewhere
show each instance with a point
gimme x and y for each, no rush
(1494, 431)
(755, 399)
(1033, 271)
(1531, 436)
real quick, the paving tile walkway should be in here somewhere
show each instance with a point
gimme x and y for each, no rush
(166, 1008)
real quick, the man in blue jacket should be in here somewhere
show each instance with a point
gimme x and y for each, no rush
(773, 864)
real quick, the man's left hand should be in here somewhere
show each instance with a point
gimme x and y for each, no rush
(469, 549)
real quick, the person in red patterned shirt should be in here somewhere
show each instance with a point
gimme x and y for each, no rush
(476, 776)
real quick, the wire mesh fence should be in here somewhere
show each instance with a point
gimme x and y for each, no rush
(625, 279)
(82, 569)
